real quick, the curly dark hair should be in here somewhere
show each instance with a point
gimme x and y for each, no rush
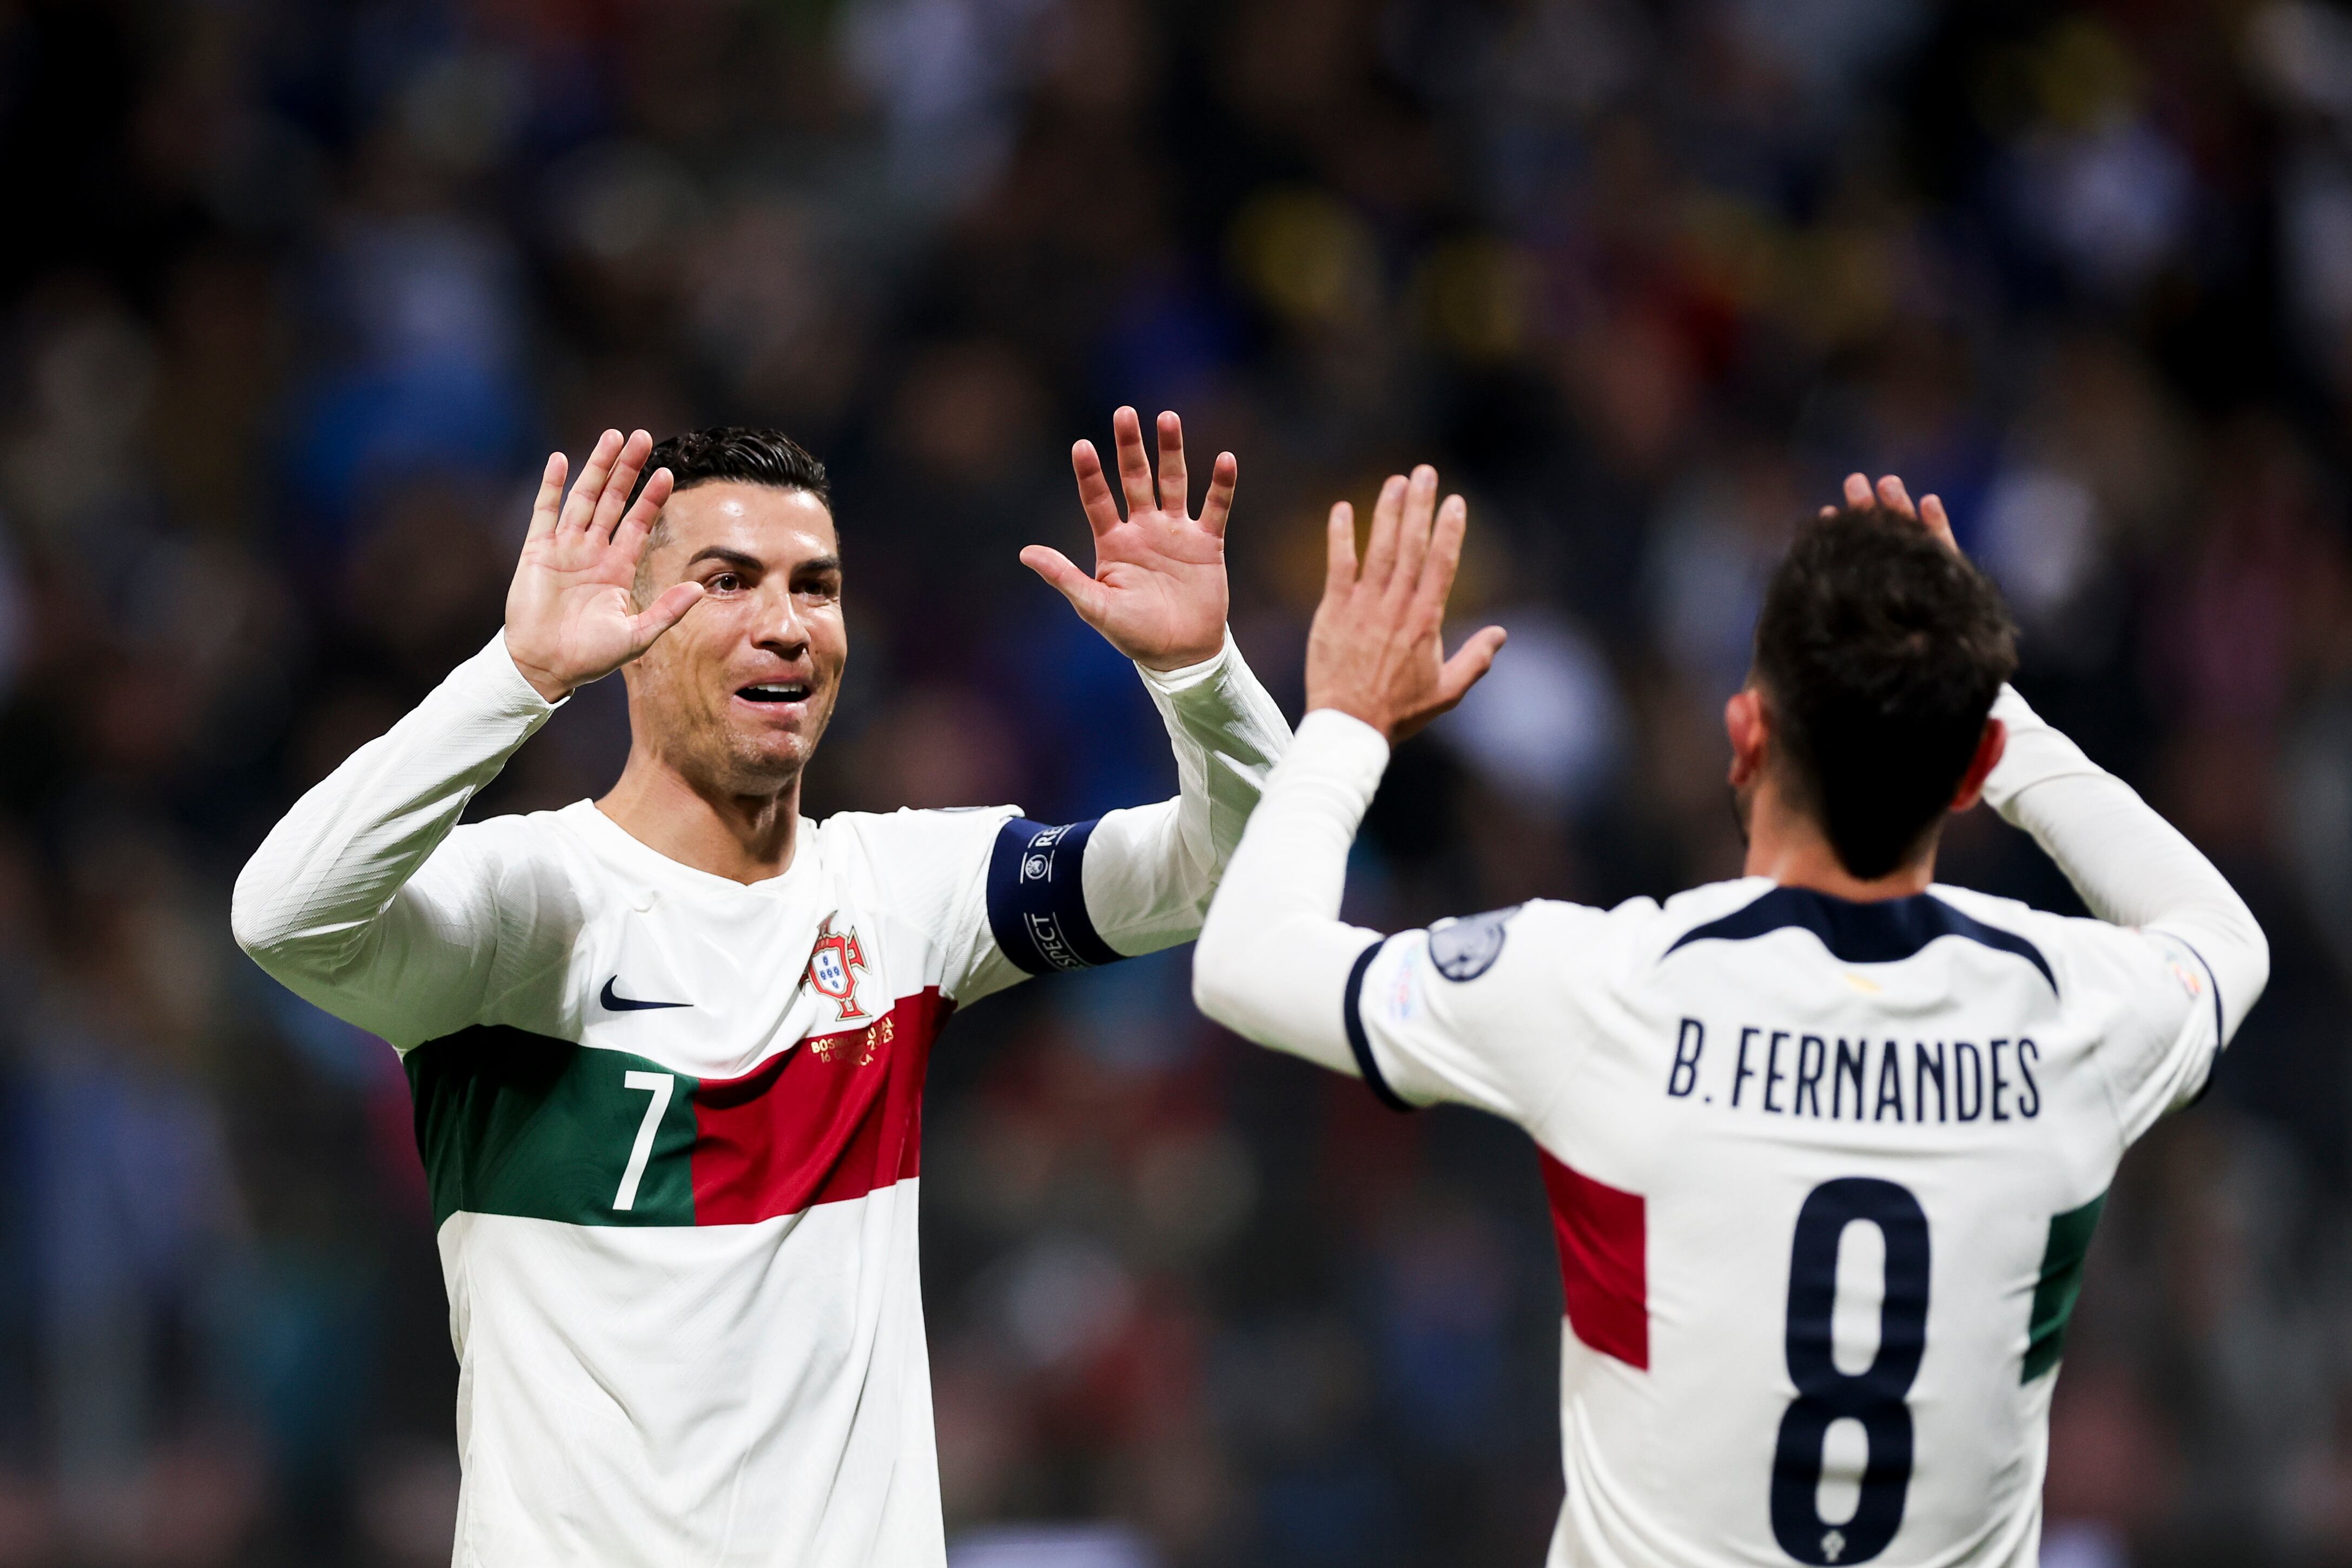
(1878, 653)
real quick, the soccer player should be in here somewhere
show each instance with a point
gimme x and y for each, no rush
(1825, 1144)
(667, 1047)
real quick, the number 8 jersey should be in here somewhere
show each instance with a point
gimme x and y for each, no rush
(1821, 1173)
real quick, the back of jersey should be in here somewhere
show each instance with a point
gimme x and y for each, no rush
(1823, 1175)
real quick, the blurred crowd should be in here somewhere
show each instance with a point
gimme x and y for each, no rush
(300, 292)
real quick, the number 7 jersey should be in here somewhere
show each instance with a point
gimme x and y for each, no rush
(672, 1122)
(1822, 1175)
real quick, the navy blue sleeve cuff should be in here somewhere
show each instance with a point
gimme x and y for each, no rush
(1037, 898)
(1351, 1005)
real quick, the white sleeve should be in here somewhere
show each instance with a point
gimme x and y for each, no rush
(1051, 898)
(356, 902)
(1420, 1016)
(2192, 962)
(1275, 962)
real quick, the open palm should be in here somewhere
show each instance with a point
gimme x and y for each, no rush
(572, 614)
(1158, 590)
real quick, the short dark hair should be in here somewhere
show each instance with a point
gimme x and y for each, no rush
(738, 452)
(1879, 654)
(725, 452)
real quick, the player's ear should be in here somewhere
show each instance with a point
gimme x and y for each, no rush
(1744, 720)
(1990, 745)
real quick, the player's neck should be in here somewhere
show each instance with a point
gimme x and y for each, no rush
(743, 838)
(1788, 846)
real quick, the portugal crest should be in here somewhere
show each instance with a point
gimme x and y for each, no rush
(831, 966)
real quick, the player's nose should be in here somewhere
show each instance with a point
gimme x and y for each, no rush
(779, 626)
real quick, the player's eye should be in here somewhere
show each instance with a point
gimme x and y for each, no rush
(726, 583)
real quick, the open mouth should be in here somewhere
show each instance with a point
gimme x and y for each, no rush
(775, 692)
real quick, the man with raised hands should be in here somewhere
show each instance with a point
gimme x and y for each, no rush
(667, 1047)
(1825, 1144)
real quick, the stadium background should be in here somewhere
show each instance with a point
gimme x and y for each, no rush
(294, 295)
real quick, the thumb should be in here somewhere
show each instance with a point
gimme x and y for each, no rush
(1469, 665)
(1084, 594)
(664, 612)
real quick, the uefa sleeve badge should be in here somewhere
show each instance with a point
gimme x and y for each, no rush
(1466, 948)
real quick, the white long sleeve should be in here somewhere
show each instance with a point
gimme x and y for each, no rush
(1274, 957)
(347, 905)
(1150, 870)
(2130, 866)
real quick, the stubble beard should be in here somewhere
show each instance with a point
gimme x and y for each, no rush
(716, 758)
(732, 762)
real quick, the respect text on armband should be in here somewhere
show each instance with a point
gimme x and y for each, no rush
(1753, 1068)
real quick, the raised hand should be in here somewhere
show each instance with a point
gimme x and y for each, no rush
(1376, 650)
(1158, 590)
(572, 617)
(1889, 492)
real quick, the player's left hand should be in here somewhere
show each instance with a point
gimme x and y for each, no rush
(1861, 495)
(1158, 591)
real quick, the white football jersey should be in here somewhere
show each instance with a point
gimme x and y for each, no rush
(1822, 1175)
(672, 1122)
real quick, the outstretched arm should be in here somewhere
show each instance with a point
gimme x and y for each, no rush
(2130, 866)
(1130, 882)
(1275, 962)
(354, 901)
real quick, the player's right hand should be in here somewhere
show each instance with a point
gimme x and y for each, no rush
(1376, 650)
(572, 616)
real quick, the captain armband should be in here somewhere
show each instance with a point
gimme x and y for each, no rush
(1037, 898)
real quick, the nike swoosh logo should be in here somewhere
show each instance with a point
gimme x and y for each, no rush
(616, 1002)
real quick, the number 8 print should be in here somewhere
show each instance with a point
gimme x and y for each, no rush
(1874, 1397)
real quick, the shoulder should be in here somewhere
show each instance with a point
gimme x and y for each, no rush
(1995, 910)
(911, 849)
(910, 831)
(1541, 938)
(1692, 910)
(535, 838)
(2057, 938)
(2090, 961)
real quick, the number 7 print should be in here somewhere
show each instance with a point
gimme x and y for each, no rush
(661, 1085)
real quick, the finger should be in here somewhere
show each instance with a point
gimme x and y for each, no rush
(1134, 465)
(1895, 498)
(1381, 550)
(665, 611)
(1175, 487)
(1468, 666)
(630, 537)
(1340, 550)
(618, 484)
(1857, 492)
(1223, 478)
(1931, 512)
(1413, 530)
(1828, 511)
(549, 503)
(580, 505)
(1093, 490)
(1443, 560)
(1085, 595)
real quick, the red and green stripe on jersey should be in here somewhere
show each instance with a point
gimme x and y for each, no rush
(518, 1123)
(1603, 1237)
